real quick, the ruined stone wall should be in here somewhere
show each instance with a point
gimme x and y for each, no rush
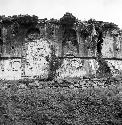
(112, 47)
(34, 54)
(10, 69)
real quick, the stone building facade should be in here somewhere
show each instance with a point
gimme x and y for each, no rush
(26, 49)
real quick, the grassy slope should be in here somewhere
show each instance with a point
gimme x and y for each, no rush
(61, 106)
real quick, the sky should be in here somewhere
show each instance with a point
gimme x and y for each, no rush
(101, 10)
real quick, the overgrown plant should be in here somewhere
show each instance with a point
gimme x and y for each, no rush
(61, 106)
(54, 64)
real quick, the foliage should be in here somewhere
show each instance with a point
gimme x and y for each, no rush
(54, 21)
(103, 70)
(54, 64)
(20, 19)
(61, 106)
(5, 118)
(100, 26)
(67, 20)
(50, 31)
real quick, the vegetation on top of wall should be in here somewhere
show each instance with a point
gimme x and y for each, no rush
(67, 20)
(85, 28)
(20, 19)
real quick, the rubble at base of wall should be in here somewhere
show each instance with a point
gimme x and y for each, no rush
(71, 83)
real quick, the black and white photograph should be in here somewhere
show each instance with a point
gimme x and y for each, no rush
(60, 62)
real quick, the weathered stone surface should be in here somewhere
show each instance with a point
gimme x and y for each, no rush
(35, 65)
(10, 69)
(71, 68)
(36, 54)
(69, 37)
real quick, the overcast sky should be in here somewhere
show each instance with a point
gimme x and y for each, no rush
(104, 10)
